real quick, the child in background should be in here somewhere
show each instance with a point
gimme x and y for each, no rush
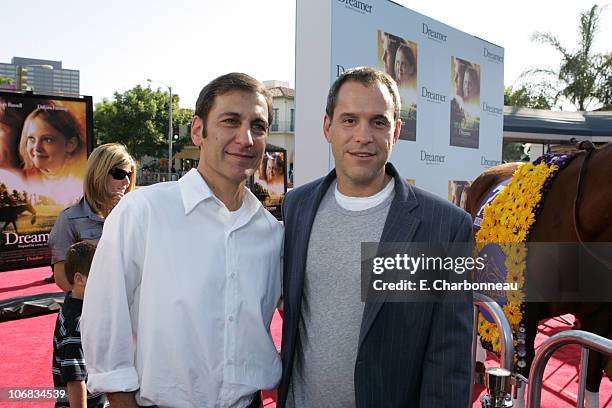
(69, 371)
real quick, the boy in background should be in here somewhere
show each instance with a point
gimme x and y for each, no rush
(69, 372)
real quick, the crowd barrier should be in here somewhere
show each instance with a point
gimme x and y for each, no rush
(505, 333)
(585, 339)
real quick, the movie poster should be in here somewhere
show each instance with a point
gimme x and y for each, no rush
(398, 58)
(465, 105)
(270, 181)
(44, 143)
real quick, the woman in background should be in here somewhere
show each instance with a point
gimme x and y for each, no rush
(110, 174)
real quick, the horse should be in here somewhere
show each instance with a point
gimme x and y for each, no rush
(577, 208)
(10, 213)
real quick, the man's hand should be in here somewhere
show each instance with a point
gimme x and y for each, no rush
(122, 399)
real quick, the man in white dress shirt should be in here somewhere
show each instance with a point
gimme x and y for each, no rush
(187, 274)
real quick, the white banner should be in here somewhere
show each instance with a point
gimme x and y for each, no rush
(451, 84)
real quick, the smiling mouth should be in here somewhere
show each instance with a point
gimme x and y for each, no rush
(241, 155)
(363, 155)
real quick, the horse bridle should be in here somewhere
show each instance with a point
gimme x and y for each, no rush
(590, 148)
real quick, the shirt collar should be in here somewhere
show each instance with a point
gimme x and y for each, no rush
(194, 190)
(88, 212)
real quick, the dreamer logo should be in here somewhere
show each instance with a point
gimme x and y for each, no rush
(358, 6)
(489, 163)
(432, 158)
(434, 35)
(492, 109)
(432, 96)
(492, 57)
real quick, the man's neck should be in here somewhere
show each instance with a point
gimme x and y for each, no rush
(350, 189)
(230, 193)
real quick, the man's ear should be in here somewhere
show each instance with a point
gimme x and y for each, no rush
(197, 129)
(397, 130)
(326, 126)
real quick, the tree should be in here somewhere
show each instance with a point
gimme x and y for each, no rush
(138, 118)
(581, 73)
(514, 152)
(5, 80)
(527, 96)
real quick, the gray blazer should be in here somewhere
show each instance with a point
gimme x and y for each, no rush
(410, 354)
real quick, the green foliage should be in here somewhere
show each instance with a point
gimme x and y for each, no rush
(582, 75)
(5, 81)
(138, 118)
(527, 96)
(514, 152)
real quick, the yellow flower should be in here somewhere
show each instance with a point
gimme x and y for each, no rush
(487, 331)
(513, 313)
(515, 296)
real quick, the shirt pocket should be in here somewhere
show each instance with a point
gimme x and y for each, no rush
(88, 230)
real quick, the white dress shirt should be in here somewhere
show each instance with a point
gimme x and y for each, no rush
(180, 298)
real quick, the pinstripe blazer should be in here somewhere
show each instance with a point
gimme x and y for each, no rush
(410, 354)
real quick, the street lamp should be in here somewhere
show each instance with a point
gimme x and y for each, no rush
(169, 125)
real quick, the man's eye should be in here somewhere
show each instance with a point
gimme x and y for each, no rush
(380, 123)
(230, 121)
(349, 121)
(260, 128)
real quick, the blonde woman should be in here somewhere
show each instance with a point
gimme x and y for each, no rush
(110, 174)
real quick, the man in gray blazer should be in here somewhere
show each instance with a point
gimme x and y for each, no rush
(338, 351)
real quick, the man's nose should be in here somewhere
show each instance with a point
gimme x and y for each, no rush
(363, 133)
(245, 136)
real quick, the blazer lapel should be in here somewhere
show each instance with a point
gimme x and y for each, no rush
(400, 226)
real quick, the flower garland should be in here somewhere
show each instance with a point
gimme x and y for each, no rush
(507, 222)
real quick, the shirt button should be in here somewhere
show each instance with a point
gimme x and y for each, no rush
(232, 275)
(230, 361)
(226, 405)
(231, 318)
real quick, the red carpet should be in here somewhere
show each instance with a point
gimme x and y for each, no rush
(25, 352)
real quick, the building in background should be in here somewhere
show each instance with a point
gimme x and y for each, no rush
(283, 120)
(40, 76)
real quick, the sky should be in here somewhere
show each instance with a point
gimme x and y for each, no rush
(118, 44)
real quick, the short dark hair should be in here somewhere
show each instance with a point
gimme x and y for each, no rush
(78, 259)
(366, 76)
(234, 81)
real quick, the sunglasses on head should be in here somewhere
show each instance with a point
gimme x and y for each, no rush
(119, 174)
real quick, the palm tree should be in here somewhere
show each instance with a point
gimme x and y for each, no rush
(582, 72)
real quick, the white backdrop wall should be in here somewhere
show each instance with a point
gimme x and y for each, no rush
(334, 35)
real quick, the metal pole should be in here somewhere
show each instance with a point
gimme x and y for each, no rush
(584, 363)
(474, 340)
(170, 134)
(505, 331)
(585, 339)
